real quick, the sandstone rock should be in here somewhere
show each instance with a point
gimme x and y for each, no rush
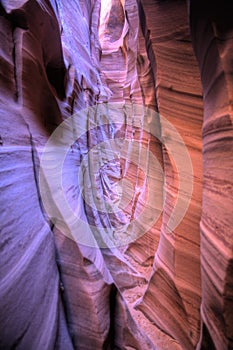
(212, 39)
(118, 186)
(62, 84)
(32, 314)
(174, 289)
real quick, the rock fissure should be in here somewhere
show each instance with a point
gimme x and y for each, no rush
(115, 178)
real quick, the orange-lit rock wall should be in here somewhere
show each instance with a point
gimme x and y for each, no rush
(128, 244)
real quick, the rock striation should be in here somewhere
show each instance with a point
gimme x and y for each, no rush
(173, 296)
(212, 39)
(116, 154)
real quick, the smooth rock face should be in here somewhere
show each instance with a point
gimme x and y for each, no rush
(120, 185)
(212, 38)
(173, 296)
(29, 292)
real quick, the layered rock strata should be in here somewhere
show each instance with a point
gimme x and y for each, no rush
(119, 186)
(172, 299)
(212, 39)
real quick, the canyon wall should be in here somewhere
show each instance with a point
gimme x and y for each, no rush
(212, 39)
(116, 156)
(172, 299)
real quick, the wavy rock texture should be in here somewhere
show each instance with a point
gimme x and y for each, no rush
(72, 284)
(172, 299)
(50, 79)
(212, 37)
(29, 293)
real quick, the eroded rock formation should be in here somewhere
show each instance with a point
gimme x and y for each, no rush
(212, 39)
(123, 241)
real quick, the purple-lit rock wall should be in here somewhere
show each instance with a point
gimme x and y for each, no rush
(126, 243)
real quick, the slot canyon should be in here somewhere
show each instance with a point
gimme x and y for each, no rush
(116, 176)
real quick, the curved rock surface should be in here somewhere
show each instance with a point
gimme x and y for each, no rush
(212, 39)
(113, 234)
(172, 299)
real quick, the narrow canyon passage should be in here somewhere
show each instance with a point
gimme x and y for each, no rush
(116, 178)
